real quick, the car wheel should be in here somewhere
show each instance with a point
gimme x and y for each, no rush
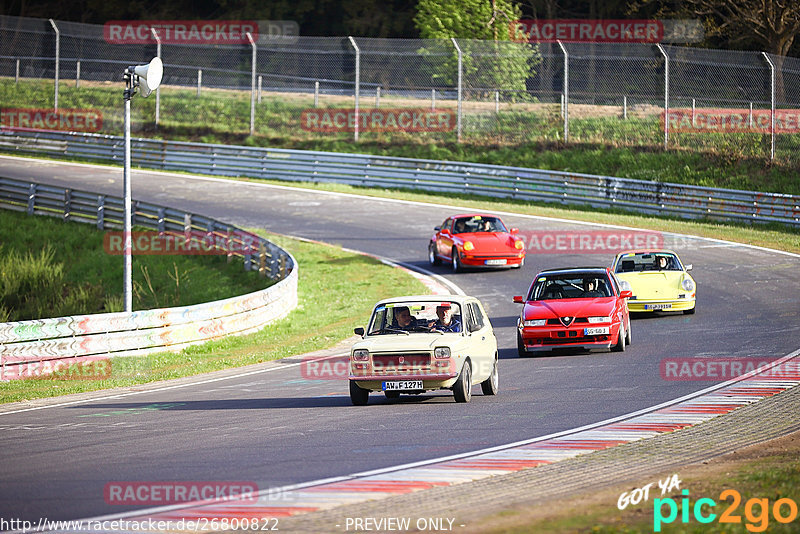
(462, 390)
(628, 334)
(432, 258)
(491, 384)
(392, 395)
(689, 312)
(521, 352)
(456, 260)
(620, 346)
(358, 395)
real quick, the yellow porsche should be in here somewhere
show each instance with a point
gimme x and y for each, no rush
(658, 279)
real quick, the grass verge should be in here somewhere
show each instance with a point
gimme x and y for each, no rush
(336, 292)
(766, 471)
(52, 268)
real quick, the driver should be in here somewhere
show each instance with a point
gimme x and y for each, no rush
(403, 318)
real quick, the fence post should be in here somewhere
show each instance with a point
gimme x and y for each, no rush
(358, 81)
(58, 60)
(460, 84)
(750, 116)
(625, 107)
(199, 80)
(771, 105)
(158, 89)
(316, 94)
(693, 111)
(252, 86)
(566, 91)
(496, 102)
(433, 99)
(666, 94)
(378, 96)
(16, 74)
(78, 75)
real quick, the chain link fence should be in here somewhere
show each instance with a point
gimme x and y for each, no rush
(742, 104)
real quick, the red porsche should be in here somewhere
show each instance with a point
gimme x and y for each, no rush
(476, 240)
(582, 308)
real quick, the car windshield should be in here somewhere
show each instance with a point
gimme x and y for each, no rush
(416, 317)
(570, 286)
(478, 223)
(648, 261)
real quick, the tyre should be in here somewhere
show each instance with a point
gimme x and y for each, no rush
(620, 346)
(628, 334)
(491, 384)
(462, 390)
(521, 352)
(456, 260)
(392, 395)
(690, 312)
(358, 396)
(432, 258)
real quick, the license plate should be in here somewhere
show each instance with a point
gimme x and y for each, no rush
(595, 331)
(496, 262)
(399, 385)
(657, 306)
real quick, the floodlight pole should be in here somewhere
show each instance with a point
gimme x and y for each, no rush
(127, 249)
(158, 89)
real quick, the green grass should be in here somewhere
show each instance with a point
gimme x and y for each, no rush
(774, 475)
(533, 138)
(336, 292)
(52, 268)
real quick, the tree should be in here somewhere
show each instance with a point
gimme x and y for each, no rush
(492, 59)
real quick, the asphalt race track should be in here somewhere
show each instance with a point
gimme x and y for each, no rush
(277, 428)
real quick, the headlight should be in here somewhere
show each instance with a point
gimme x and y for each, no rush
(441, 352)
(688, 284)
(535, 322)
(519, 245)
(599, 319)
(468, 245)
(361, 355)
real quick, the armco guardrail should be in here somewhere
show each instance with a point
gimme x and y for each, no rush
(452, 177)
(28, 348)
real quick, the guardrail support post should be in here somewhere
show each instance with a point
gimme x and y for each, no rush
(771, 105)
(262, 259)
(58, 60)
(32, 199)
(566, 90)
(67, 203)
(253, 86)
(101, 211)
(357, 82)
(666, 94)
(460, 74)
(162, 219)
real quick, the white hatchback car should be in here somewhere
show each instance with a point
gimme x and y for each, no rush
(423, 343)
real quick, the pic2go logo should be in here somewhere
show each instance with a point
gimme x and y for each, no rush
(756, 511)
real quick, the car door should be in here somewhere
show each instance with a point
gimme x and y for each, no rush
(483, 344)
(444, 239)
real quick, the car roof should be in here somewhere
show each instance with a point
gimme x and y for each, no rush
(646, 251)
(573, 270)
(463, 215)
(459, 299)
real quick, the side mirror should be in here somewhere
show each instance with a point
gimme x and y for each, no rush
(626, 294)
(518, 299)
(359, 331)
(688, 266)
(437, 228)
(514, 231)
(445, 232)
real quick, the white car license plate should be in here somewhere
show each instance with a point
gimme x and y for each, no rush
(657, 306)
(595, 331)
(399, 385)
(496, 262)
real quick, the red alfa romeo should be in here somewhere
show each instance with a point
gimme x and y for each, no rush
(475, 240)
(582, 308)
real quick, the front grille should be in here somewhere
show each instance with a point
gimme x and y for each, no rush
(578, 320)
(390, 362)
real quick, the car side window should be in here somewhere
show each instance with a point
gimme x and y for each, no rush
(614, 284)
(447, 224)
(475, 311)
